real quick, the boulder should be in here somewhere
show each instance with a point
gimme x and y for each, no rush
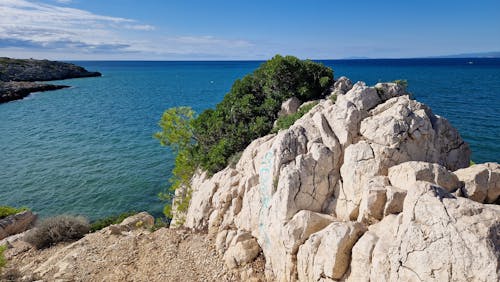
(402, 130)
(243, 249)
(481, 182)
(359, 167)
(388, 90)
(406, 174)
(16, 223)
(289, 107)
(327, 253)
(444, 238)
(361, 258)
(373, 200)
(363, 97)
(341, 86)
(137, 221)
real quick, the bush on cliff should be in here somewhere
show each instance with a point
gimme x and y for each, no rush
(7, 210)
(247, 112)
(62, 228)
(109, 220)
(3, 261)
(285, 122)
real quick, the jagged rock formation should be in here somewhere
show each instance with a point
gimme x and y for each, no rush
(17, 77)
(360, 189)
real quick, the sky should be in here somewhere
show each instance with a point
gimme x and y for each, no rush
(245, 30)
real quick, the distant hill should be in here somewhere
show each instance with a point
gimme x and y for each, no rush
(472, 55)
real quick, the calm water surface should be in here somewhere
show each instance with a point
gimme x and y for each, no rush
(89, 149)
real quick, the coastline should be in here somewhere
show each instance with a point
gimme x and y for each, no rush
(19, 78)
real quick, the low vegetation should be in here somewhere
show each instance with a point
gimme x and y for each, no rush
(209, 140)
(109, 220)
(3, 261)
(62, 228)
(7, 210)
(285, 122)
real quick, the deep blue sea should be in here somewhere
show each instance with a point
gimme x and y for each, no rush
(89, 149)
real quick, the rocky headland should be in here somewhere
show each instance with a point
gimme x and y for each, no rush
(18, 77)
(369, 185)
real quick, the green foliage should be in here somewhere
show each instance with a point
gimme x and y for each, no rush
(285, 122)
(3, 261)
(248, 111)
(6, 211)
(333, 98)
(233, 160)
(213, 139)
(402, 82)
(471, 163)
(109, 220)
(159, 223)
(62, 228)
(176, 127)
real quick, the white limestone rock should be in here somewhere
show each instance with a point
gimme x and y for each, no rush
(406, 174)
(443, 238)
(289, 107)
(481, 182)
(327, 253)
(373, 200)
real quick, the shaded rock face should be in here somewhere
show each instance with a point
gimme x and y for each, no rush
(311, 193)
(481, 182)
(17, 77)
(16, 223)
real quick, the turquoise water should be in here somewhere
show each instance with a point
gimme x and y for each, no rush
(89, 149)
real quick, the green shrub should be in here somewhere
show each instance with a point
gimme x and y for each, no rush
(159, 223)
(6, 211)
(285, 122)
(247, 112)
(402, 82)
(333, 98)
(62, 228)
(3, 261)
(109, 220)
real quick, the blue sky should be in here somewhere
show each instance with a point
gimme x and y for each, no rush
(232, 29)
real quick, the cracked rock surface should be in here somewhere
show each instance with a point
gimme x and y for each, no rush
(358, 189)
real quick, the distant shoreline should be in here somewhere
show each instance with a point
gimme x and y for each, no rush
(19, 77)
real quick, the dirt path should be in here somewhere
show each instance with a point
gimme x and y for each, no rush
(164, 255)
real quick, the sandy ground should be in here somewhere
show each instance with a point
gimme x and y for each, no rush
(164, 255)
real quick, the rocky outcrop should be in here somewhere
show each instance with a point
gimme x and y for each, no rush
(15, 90)
(16, 223)
(289, 107)
(336, 196)
(17, 77)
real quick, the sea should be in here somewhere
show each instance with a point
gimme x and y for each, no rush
(89, 149)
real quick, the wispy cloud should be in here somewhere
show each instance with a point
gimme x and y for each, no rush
(28, 25)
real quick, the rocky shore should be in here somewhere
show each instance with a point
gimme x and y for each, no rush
(17, 77)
